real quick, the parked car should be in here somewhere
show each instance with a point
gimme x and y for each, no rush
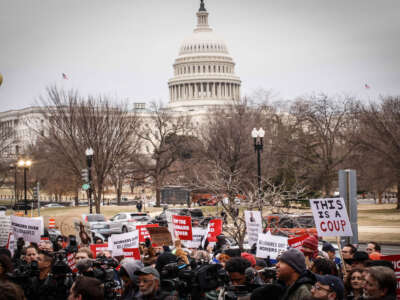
(97, 223)
(290, 224)
(126, 221)
(196, 214)
(53, 205)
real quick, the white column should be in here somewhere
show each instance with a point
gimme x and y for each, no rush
(213, 90)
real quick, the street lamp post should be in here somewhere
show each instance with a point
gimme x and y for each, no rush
(25, 164)
(258, 136)
(89, 159)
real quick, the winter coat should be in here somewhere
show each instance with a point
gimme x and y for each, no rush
(301, 289)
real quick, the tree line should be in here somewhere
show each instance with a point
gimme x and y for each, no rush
(305, 144)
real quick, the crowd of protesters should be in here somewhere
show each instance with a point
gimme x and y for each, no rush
(41, 271)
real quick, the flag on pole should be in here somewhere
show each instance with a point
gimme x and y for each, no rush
(64, 76)
(367, 86)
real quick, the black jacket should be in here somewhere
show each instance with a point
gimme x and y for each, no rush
(302, 286)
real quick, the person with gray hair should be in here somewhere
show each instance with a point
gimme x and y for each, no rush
(380, 283)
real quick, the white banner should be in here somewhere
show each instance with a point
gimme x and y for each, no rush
(118, 242)
(271, 245)
(28, 228)
(330, 216)
(5, 228)
(253, 225)
(198, 234)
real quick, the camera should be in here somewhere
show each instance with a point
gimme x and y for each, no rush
(102, 269)
(192, 281)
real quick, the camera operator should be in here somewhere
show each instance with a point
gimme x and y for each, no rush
(149, 286)
(86, 288)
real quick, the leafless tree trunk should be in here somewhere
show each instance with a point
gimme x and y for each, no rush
(75, 123)
(379, 136)
(164, 137)
(318, 134)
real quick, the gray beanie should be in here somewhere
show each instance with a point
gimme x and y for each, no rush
(295, 259)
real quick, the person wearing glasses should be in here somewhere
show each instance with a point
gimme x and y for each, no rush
(149, 286)
(328, 287)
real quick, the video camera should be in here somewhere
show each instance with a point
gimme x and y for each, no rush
(268, 273)
(102, 268)
(192, 281)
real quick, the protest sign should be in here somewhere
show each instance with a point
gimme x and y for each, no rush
(297, 241)
(5, 228)
(395, 260)
(71, 262)
(28, 228)
(98, 248)
(271, 245)
(214, 229)
(160, 235)
(132, 252)
(143, 232)
(198, 234)
(118, 242)
(182, 227)
(253, 225)
(330, 216)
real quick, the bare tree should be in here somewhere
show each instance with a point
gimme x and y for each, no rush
(163, 136)
(75, 123)
(318, 139)
(378, 138)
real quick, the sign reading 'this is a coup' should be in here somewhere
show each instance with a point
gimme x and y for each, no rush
(330, 216)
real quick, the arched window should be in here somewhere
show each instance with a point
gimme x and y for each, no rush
(198, 69)
(219, 68)
(209, 69)
(204, 69)
(215, 69)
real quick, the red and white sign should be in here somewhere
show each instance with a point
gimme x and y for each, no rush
(296, 242)
(132, 252)
(71, 262)
(395, 260)
(214, 229)
(330, 216)
(98, 248)
(143, 233)
(182, 227)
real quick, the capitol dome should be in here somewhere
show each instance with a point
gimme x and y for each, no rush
(204, 72)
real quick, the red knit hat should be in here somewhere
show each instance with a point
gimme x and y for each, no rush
(311, 242)
(249, 257)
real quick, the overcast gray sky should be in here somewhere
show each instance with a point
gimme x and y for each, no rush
(126, 48)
